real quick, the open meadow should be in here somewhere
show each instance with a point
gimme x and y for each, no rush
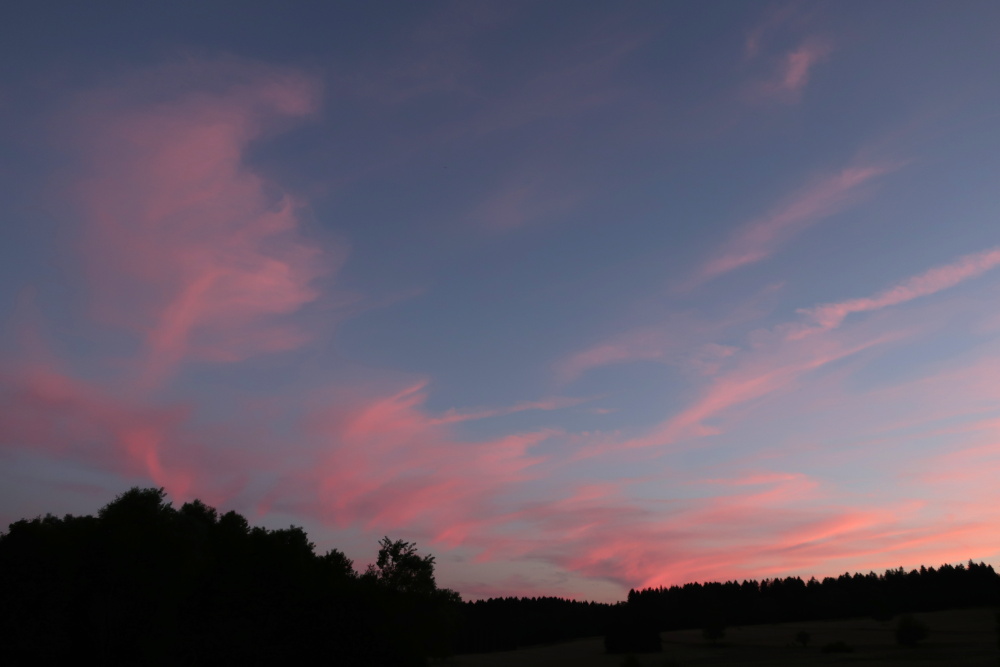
(959, 638)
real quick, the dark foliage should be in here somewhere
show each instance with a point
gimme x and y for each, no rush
(802, 637)
(144, 583)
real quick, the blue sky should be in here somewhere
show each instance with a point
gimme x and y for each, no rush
(578, 296)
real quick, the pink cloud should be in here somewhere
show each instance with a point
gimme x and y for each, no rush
(59, 416)
(187, 248)
(646, 344)
(682, 339)
(526, 199)
(184, 243)
(791, 70)
(830, 315)
(762, 237)
(385, 462)
(798, 64)
(759, 374)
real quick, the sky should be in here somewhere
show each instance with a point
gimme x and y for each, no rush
(577, 296)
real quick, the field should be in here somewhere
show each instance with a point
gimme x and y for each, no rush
(959, 638)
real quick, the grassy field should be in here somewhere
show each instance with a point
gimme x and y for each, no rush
(960, 638)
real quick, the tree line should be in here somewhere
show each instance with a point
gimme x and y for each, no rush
(880, 596)
(634, 625)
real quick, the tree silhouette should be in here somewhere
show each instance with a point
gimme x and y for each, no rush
(338, 565)
(400, 569)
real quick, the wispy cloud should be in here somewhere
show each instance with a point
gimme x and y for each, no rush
(185, 248)
(550, 403)
(799, 63)
(683, 339)
(755, 376)
(57, 415)
(647, 344)
(830, 315)
(790, 69)
(524, 199)
(384, 461)
(184, 243)
(761, 237)
(791, 73)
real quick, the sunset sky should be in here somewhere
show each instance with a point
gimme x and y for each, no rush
(577, 296)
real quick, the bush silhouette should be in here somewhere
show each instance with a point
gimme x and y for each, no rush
(633, 637)
(839, 646)
(714, 629)
(910, 631)
(802, 637)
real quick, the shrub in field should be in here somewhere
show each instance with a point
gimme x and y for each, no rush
(838, 647)
(909, 631)
(714, 629)
(633, 636)
(802, 637)
(713, 633)
(631, 661)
